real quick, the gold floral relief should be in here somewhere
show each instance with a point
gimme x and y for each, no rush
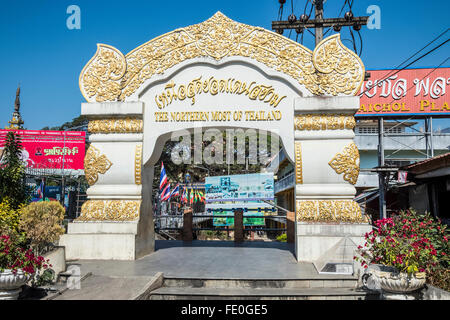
(110, 210)
(323, 122)
(128, 125)
(332, 69)
(330, 211)
(94, 164)
(138, 164)
(347, 162)
(298, 163)
(100, 77)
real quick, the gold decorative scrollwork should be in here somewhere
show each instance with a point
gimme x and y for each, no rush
(94, 163)
(324, 122)
(138, 164)
(100, 78)
(339, 69)
(298, 163)
(331, 69)
(116, 126)
(110, 210)
(329, 211)
(347, 162)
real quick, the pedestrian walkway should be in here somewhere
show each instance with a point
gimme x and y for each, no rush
(198, 259)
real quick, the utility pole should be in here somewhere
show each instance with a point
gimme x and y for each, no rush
(318, 23)
(319, 17)
(381, 174)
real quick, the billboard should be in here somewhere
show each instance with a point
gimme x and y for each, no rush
(243, 187)
(406, 93)
(43, 149)
(239, 191)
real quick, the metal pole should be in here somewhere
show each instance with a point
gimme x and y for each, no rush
(318, 5)
(427, 142)
(381, 178)
(431, 137)
(63, 176)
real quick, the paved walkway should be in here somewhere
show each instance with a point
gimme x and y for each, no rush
(199, 259)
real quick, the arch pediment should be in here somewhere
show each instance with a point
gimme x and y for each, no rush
(331, 69)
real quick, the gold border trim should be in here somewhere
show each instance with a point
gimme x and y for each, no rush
(138, 164)
(128, 125)
(324, 122)
(110, 210)
(298, 163)
(331, 69)
(329, 211)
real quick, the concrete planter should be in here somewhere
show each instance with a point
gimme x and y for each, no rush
(392, 281)
(57, 259)
(11, 284)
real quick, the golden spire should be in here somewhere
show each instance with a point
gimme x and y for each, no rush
(16, 121)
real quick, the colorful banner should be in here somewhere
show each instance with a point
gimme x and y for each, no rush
(406, 93)
(238, 191)
(44, 149)
(244, 187)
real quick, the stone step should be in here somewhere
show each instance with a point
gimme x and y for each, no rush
(322, 281)
(183, 293)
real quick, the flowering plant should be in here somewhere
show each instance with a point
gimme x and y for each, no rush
(14, 257)
(408, 242)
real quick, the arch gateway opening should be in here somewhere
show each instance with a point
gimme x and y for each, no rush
(218, 74)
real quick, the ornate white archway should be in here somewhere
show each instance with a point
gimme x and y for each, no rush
(181, 80)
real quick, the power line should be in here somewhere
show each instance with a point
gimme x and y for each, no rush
(409, 64)
(390, 73)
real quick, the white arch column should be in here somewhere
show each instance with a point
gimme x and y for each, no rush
(108, 227)
(327, 167)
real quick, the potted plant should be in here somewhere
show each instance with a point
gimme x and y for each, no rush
(401, 250)
(18, 264)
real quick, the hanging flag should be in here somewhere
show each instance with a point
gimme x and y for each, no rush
(165, 195)
(40, 190)
(202, 197)
(402, 176)
(197, 196)
(183, 196)
(175, 192)
(191, 198)
(163, 177)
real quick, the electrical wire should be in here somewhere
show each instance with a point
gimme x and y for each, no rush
(392, 72)
(353, 40)
(409, 64)
(361, 41)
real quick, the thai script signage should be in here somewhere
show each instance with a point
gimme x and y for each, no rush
(43, 149)
(408, 92)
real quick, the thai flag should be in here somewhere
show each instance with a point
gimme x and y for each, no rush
(183, 196)
(165, 195)
(40, 190)
(163, 177)
(175, 192)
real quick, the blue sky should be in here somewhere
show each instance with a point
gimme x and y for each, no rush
(45, 57)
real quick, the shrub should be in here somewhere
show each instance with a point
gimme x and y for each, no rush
(12, 173)
(41, 221)
(14, 256)
(9, 218)
(282, 237)
(407, 241)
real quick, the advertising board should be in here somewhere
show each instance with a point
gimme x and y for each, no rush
(225, 193)
(410, 92)
(43, 149)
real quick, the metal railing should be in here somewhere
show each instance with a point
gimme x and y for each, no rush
(189, 223)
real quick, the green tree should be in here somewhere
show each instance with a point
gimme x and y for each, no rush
(12, 173)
